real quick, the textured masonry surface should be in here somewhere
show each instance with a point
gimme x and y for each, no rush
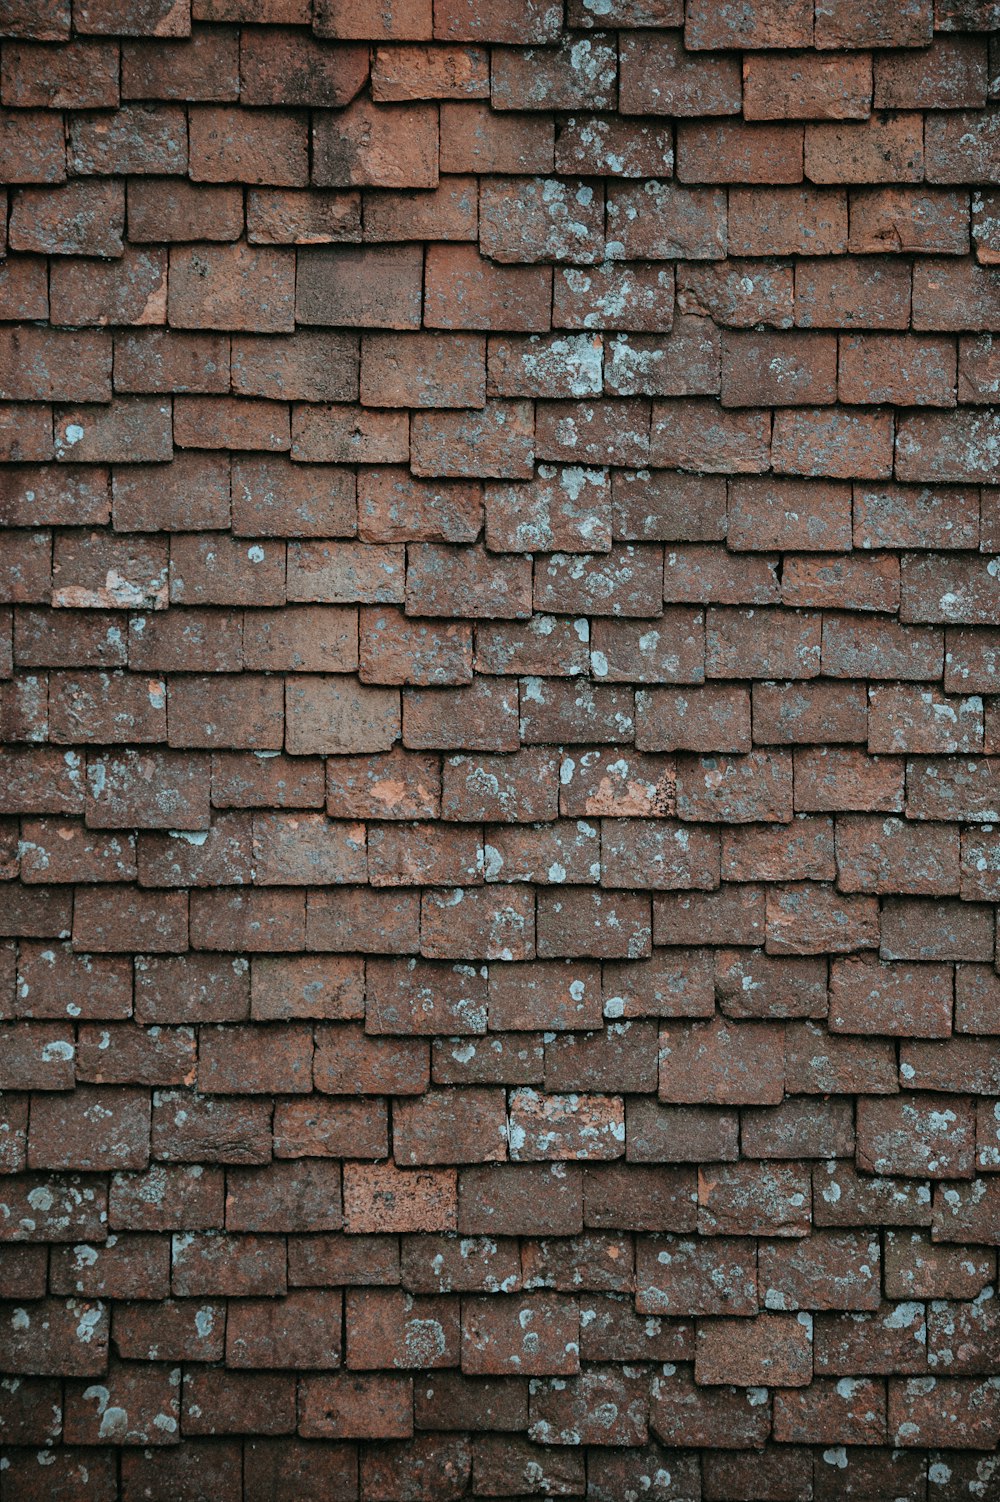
(500, 785)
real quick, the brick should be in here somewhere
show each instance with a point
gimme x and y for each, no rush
(79, 218)
(662, 220)
(723, 152)
(473, 138)
(51, 1342)
(721, 1064)
(174, 209)
(759, 291)
(237, 288)
(204, 66)
(347, 1060)
(659, 78)
(790, 369)
(762, 25)
(497, 441)
(81, 74)
(889, 219)
(140, 138)
(92, 1129)
(536, 1335)
(360, 146)
(922, 1135)
(563, 78)
(227, 145)
(882, 26)
(339, 921)
(614, 295)
(384, 1198)
(410, 20)
(290, 216)
(592, 145)
(960, 146)
(769, 1349)
(403, 72)
(807, 86)
(464, 290)
(355, 1406)
(759, 985)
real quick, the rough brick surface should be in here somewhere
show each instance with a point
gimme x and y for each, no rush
(499, 750)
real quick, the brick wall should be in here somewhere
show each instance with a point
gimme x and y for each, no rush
(501, 777)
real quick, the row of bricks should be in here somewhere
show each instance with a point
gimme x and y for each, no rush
(563, 508)
(87, 216)
(248, 711)
(656, 76)
(343, 1059)
(503, 439)
(269, 289)
(152, 789)
(672, 1276)
(767, 23)
(48, 980)
(492, 1200)
(104, 570)
(679, 1059)
(685, 1062)
(870, 854)
(350, 147)
(218, 1401)
(673, 647)
(511, 1466)
(795, 368)
(474, 1124)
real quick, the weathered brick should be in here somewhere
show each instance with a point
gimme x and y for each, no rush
(373, 145)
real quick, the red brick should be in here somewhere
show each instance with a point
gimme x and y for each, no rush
(288, 216)
(662, 220)
(279, 67)
(353, 1406)
(361, 146)
(806, 86)
(340, 921)
(464, 290)
(204, 66)
(905, 219)
(384, 1198)
(81, 74)
(350, 1061)
(229, 145)
(140, 139)
(174, 209)
(960, 146)
(761, 24)
(771, 1349)
(721, 1063)
(92, 1129)
(518, 21)
(628, 148)
(565, 77)
(79, 218)
(739, 153)
(153, 360)
(916, 1135)
(657, 77)
(407, 72)
(232, 288)
(884, 149)
(887, 368)
(405, 20)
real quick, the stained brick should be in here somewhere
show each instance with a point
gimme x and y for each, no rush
(522, 577)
